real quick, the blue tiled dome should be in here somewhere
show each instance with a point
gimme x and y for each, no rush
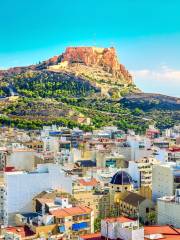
(121, 178)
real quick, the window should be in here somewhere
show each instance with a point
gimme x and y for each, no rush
(147, 210)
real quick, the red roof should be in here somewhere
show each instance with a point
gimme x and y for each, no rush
(174, 149)
(92, 236)
(21, 231)
(73, 211)
(9, 169)
(119, 219)
(168, 233)
(93, 182)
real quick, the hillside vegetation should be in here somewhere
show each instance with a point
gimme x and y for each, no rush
(82, 83)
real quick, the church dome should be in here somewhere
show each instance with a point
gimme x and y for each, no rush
(121, 178)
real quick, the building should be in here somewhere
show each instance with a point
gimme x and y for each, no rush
(21, 187)
(174, 154)
(145, 168)
(2, 202)
(120, 182)
(3, 158)
(89, 193)
(17, 233)
(152, 132)
(122, 228)
(150, 232)
(133, 205)
(168, 210)
(56, 218)
(74, 221)
(35, 144)
(21, 158)
(109, 158)
(165, 179)
(118, 228)
(57, 214)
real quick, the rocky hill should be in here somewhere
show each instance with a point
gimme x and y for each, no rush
(151, 101)
(85, 87)
(96, 67)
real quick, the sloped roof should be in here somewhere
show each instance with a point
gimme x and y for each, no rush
(73, 211)
(132, 198)
(93, 182)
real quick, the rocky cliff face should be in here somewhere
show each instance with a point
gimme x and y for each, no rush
(99, 67)
(93, 56)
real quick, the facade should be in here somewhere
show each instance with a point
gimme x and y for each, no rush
(147, 232)
(121, 228)
(21, 187)
(3, 158)
(174, 154)
(74, 221)
(2, 202)
(145, 168)
(98, 201)
(88, 193)
(168, 210)
(57, 214)
(21, 159)
(152, 132)
(37, 145)
(165, 180)
(133, 205)
(120, 182)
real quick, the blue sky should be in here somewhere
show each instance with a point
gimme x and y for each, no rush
(145, 33)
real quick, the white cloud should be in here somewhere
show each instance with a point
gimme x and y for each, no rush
(164, 73)
(164, 80)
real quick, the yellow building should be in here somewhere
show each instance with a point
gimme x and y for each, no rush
(57, 214)
(85, 191)
(120, 182)
(74, 221)
(146, 191)
(37, 145)
(98, 201)
(132, 205)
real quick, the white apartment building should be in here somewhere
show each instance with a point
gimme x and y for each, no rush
(51, 144)
(22, 186)
(121, 228)
(145, 168)
(165, 179)
(168, 210)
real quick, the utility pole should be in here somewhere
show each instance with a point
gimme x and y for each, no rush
(107, 232)
(138, 214)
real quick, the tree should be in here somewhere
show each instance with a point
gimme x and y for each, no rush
(151, 217)
(97, 224)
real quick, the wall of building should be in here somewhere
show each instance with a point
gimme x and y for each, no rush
(99, 203)
(22, 159)
(22, 187)
(168, 213)
(146, 204)
(162, 181)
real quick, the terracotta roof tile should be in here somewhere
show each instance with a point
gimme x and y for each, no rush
(73, 211)
(93, 182)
